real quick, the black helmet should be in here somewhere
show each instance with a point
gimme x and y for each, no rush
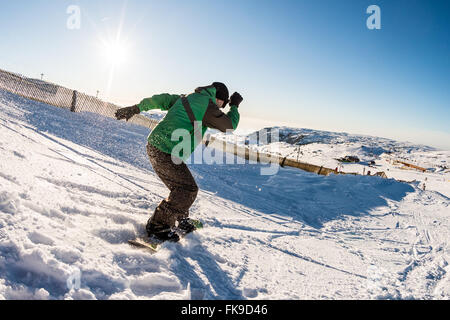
(221, 91)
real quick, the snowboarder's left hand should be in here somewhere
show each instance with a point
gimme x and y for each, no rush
(236, 99)
(127, 113)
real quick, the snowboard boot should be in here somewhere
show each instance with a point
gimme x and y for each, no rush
(187, 225)
(161, 232)
(160, 225)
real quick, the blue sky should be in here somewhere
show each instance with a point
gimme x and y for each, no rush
(310, 64)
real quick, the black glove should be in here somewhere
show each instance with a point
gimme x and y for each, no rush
(127, 113)
(236, 99)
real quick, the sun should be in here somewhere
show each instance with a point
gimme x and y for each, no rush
(115, 52)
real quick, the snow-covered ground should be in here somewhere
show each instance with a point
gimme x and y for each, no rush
(323, 148)
(75, 187)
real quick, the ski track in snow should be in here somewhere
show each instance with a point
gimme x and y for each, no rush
(75, 187)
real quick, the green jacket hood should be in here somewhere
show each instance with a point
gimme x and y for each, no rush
(209, 91)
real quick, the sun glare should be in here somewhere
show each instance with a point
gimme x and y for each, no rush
(115, 52)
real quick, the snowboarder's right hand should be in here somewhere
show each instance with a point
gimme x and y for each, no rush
(236, 99)
(127, 113)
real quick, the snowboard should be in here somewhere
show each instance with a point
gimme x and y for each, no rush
(153, 244)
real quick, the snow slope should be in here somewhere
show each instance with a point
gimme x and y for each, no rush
(324, 148)
(75, 187)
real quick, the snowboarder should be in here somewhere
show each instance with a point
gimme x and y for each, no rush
(195, 113)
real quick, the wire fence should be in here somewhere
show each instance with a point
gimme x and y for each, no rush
(62, 97)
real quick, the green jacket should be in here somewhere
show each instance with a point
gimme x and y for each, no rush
(202, 103)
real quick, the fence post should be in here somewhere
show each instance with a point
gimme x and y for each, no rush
(282, 162)
(320, 170)
(74, 101)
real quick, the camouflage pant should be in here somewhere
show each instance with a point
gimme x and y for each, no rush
(181, 183)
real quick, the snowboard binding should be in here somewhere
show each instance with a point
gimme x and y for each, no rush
(161, 232)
